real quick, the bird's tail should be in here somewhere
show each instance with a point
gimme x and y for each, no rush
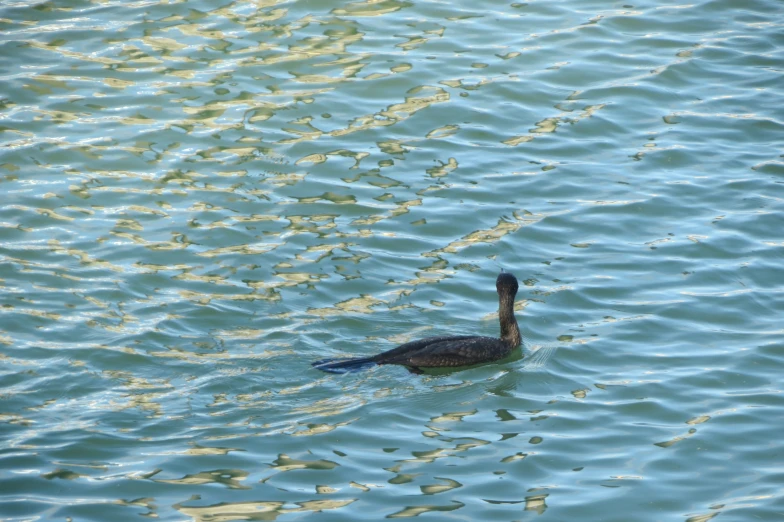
(344, 365)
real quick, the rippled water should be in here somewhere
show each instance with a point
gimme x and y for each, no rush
(198, 199)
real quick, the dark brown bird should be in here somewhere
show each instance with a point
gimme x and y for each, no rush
(447, 351)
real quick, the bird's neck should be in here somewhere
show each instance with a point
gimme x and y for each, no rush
(510, 333)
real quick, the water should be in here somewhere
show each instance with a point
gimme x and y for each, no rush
(199, 199)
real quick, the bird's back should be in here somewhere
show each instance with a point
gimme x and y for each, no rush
(449, 351)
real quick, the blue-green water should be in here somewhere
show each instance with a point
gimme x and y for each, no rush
(198, 199)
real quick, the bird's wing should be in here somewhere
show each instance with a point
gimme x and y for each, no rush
(417, 346)
(449, 351)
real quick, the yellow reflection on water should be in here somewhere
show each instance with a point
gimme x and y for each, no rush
(370, 8)
(415, 511)
(286, 463)
(433, 489)
(270, 510)
(491, 235)
(227, 477)
(549, 125)
(363, 304)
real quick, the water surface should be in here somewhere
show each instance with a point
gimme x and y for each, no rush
(198, 199)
